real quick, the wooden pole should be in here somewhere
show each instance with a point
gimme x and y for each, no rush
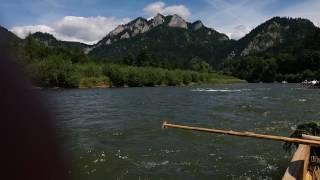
(244, 134)
(310, 137)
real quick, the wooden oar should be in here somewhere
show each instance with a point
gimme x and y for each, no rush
(245, 134)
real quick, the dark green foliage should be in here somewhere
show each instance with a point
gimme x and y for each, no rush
(197, 64)
(50, 66)
(187, 77)
(9, 43)
(131, 76)
(58, 66)
(256, 69)
(92, 82)
(294, 58)
(173, 78)
(143, 59)
(304, 65)
(52, 42)
(118, 75)
(90, 69)
(307, 128)
(167, 47)
(53, 71)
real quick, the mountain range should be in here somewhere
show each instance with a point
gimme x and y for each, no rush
(172, 40)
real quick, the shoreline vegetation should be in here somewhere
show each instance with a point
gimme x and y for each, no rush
(114, 75)
(172, 56)
(65, 67)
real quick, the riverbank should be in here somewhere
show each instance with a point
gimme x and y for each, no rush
(115, 75)
(218, 79)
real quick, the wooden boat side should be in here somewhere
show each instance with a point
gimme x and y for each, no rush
(298, 167)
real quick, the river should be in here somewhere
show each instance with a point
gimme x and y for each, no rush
(116, 133)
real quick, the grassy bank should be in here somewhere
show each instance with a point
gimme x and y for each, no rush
(216, 78)
(65, 67)
(133, 76)
(52, 73)
(61, 71)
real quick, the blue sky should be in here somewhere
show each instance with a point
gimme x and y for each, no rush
(89, 20)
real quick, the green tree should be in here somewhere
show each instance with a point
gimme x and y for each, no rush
(118, 75)
(197, 64)
(143, 59)
(54, 71)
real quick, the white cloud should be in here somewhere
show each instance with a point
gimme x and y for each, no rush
(239, 31)
(224, 16)
(160, 7)
(234, 18)
(72, 28)
(23, 31)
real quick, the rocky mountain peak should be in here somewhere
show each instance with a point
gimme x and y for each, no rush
(157, 20)
(117, 30)
(138, 26)
(177, 21)
(276, 31)
(197, 25)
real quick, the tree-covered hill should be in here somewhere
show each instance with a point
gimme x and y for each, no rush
(277, 50)
(53, 63)
(8, 40)
(276, 34)
(169, 40)
(50, 41)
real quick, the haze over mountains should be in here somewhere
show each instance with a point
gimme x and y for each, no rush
(171, 41)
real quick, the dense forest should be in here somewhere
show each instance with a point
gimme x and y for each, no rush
(294, 57)
(69, 67)
(280, 49)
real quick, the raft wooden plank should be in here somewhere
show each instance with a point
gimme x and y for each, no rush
(308, 176)
(310, 137)
(244, 134)
(298, 167)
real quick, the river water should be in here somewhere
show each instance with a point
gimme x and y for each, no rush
(116, 133)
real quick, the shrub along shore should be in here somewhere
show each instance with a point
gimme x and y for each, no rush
(48, 74)
(67, 67)
(132, 76)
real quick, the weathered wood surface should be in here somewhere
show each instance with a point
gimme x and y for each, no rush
(308, 176)
(244, 134)
(310, 137)
(298, 167)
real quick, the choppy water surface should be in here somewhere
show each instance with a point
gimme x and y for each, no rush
(116, 134)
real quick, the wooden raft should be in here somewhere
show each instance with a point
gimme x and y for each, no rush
(298, 167)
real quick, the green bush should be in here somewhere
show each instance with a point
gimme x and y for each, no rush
(118, 75)
(89, 69)
(53, 71)
(91, 82)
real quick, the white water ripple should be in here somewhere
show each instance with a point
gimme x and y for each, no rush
(219, 90)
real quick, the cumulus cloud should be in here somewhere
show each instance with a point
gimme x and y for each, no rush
(224, 15)
(161, 7)
(23, 31)
(234, 18)
(239, 31)
(72, 28)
